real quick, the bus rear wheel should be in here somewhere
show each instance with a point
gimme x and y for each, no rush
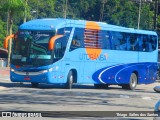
(132, 83)
(70, 79)
(34, 85)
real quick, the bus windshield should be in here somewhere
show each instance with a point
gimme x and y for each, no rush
(30, 48)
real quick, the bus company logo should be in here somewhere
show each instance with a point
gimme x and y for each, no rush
(93, 56)
(38, 35)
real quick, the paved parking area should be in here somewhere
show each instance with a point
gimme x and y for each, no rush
(4, 71)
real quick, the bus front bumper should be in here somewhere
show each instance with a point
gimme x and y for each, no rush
(44, 76)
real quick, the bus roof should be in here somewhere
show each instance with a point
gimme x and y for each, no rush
(56, 23)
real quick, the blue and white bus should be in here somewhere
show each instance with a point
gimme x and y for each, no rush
(64, 51)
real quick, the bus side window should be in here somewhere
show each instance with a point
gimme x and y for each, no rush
(123, 42)
(127, 37)
(104, 36)
(132, 42)
(77, 39)
(149, 46)
(67, 32)
(75, 42)
(108, 40)
(60, 31)
(116, 37)
(138, 43)
(153, 42)
(60, 47)
(144, 44)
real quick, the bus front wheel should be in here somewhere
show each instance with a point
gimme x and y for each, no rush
(70, 78)
(132, 83)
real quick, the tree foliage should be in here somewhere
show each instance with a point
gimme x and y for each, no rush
(118, 12)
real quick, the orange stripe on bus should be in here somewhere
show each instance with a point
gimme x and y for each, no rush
(91, 28)
(92, 25)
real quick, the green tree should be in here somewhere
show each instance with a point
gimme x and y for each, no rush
(41, 8)
(146, 13)
(2, 32)
(11, 7)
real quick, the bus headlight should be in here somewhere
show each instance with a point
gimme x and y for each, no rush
(49, 70)
(44, 71)
(12, 70)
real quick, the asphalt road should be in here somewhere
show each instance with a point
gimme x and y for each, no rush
(21, 97)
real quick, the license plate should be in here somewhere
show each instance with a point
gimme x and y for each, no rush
(27, 78)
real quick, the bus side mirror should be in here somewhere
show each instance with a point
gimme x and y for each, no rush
(52, 41)
(6, 40)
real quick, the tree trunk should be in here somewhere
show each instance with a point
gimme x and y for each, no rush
(25, 11)
(7, 33)
(10, 41)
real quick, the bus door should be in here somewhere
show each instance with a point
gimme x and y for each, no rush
(58, 54)
(75, 56)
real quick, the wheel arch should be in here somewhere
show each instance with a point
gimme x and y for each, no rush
(136, 72)
(75, 75)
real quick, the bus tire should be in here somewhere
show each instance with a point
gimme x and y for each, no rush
(34, 85)
(70, 79)
(132, 82)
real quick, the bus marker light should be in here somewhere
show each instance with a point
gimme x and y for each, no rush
(54, 76)
(12, 70)
(60, 76)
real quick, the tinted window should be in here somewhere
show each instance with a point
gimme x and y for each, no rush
(132, 42)
(119, 41)
(60, 31)
(59, 48)
(153, 42)
(77, 40)
(92, 38)
(113, 40)
(105, 38)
